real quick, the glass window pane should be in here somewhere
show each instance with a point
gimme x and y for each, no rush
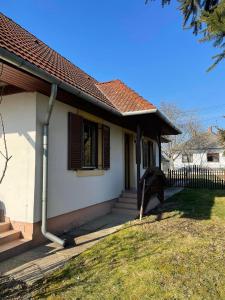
(213, 157)
(89, 144)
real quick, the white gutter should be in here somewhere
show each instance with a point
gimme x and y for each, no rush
(30, 68)
(162, 116)
(151, 111)
(44, 201)
(139, 112)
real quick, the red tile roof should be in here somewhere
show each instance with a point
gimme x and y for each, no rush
(124, 98)
(25, 45)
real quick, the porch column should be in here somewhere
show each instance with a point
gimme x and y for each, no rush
(160, 151)
(138, 162)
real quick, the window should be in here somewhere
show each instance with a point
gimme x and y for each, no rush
(213, 157)
(187, 158)
(147, 154)
(90, 144)
(86, 148)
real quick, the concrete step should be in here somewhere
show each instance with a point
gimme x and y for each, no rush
(4, 226)
(129, 195)
(127, 200)
(14, 248)
(9, 236)
(126, 205)
(125, 211)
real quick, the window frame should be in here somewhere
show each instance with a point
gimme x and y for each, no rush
(213, 155)
(94, 150)
(75, 144)
(147, 158)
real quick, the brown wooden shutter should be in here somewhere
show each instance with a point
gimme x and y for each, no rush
(106, 147)
(75, 133)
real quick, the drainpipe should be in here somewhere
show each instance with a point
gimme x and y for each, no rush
(45, 138)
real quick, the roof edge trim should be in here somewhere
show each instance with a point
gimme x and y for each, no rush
(140, 112)
(162, 116)
(21, 63)
(152, 111)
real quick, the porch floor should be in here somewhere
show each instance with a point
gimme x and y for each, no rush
(36, 263)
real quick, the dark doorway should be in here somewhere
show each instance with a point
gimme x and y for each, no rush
(127, 161)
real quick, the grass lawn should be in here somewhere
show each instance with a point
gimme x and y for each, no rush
(177, 253)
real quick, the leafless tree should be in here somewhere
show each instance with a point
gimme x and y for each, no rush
(192, 133)
(221, 133)
(4, 153)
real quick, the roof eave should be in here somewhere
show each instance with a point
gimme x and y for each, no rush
(21, 63)
(153, 111)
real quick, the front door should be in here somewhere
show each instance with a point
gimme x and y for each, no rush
(127, 160)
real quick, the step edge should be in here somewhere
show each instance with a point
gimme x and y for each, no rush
(5, 247)
(9, 232)
(126, 205)
(5, 226)
(127, 200)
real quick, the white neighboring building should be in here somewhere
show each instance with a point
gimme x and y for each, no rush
(210, 155)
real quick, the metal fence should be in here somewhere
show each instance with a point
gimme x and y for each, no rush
(197, 177)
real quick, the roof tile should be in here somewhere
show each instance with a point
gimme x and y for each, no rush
(124, 98)
(25, 45)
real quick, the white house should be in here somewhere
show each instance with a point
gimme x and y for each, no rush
(207, 154)
(75, 143)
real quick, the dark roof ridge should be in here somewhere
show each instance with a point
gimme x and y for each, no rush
(109, 81)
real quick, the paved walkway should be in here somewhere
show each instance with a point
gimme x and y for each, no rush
(37, 262)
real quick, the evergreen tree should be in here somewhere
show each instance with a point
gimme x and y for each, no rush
(205, 18)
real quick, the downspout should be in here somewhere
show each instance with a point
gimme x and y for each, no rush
(45, 143)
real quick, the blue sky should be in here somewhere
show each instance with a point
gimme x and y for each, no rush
(143, 45)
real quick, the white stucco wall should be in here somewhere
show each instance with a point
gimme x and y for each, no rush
(200, 159)
(67, 190)
(20, 192)
(17, 188)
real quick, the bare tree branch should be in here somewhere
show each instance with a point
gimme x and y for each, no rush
(7, 157)
(191, 133)
(4, 153)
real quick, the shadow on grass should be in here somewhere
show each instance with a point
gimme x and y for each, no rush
(191, 203)
(194, 204)
(11, 288)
